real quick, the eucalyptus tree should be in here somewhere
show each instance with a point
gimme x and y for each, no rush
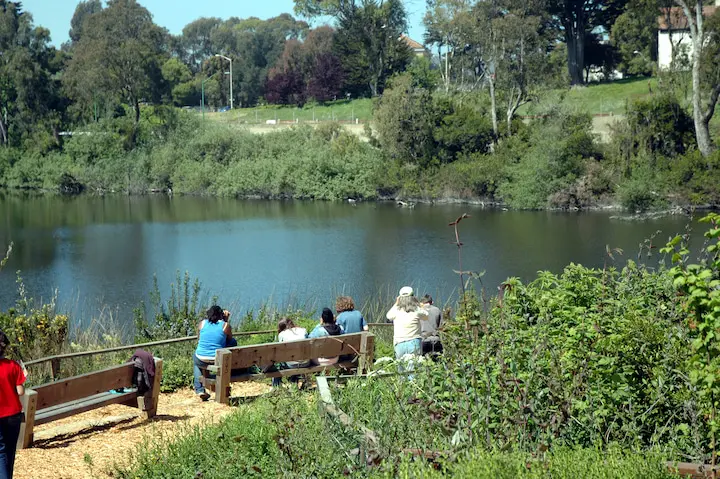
(83, 11)
(118, 57)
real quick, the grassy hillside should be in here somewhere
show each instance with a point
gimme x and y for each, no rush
(341, 110)
(595, 99)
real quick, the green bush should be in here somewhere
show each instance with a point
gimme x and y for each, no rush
(642, 191)
(660, 126)
(585, 358)
(552, 159)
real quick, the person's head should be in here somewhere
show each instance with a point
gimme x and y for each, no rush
(285, 323)
(427, 299)
(215, 314)
(407, 300)
(327, 316)
(344, 303)
(4, 343)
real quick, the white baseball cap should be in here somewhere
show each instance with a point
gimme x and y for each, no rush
(406, 291)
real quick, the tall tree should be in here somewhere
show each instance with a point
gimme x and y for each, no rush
(705, 61)
(29, 93)
(118, 56)
(575, 19)
(635, 36)
(255, 46)
(306, 70)
(446, 23)
(83, 11)
(368, 39)
(196, 41)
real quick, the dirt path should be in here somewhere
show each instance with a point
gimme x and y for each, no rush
(90, 444)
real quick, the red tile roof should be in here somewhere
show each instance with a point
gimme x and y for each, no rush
(412, 43)
(678, 20)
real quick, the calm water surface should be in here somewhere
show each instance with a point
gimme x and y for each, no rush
(101, 253)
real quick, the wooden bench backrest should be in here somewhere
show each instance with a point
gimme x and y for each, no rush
(78, 387)
(268, 353)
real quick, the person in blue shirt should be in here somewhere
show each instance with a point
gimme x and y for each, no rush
(213, 333)
(348, 317)
(327, 327)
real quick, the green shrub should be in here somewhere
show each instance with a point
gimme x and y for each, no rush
(642, 191)
(552, 159)
(585, 358)
(660, 126)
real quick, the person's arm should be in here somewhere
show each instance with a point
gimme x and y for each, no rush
(392, 314)
(364, 323)
(20, 381)
(200, 326)
(227, 329)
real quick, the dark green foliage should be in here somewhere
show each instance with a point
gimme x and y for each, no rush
(696, 177)
(415, 128)
(660, 126)
(460, 130)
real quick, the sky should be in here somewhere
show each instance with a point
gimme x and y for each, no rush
(55, 15)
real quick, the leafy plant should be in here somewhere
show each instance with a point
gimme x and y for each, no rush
(700, 286)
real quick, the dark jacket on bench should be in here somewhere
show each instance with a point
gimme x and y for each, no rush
(145, 363)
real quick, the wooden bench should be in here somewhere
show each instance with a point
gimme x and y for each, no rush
(67, 397)
(264, 355)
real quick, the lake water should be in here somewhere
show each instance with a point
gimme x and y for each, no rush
(101, 253)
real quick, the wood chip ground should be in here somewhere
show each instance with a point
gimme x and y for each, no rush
(89, 445)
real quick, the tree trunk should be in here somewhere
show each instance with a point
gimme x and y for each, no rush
(137, 111)
(701, 118)
(493, 106)
(3, 128)
(575, 39)
(702, 122)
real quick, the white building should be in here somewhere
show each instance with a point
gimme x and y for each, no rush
(674, 37)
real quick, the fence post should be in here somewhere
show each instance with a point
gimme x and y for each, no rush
(362, 363)
(29, 404)
(54, 368)
(223, 360)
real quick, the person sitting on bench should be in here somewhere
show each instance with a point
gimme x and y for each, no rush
(327, 327)
(287, 331)
(213, 333)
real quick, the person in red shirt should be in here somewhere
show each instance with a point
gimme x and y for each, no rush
(12, 378)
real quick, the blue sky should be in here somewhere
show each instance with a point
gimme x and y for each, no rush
(55, 15)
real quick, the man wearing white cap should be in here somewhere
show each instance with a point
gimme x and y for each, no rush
(406, 314)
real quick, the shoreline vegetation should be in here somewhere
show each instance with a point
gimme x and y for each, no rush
(554, 162)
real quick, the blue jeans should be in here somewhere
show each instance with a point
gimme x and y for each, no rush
(9, 432)
(414, 346)
(197, 373)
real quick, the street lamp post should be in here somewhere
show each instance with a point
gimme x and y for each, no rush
(231, 79)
